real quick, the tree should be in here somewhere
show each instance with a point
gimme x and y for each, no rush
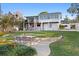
(19, 22)
(9, 22)
(66, 18)
(73, 9)
(77, 18)
(5, 22)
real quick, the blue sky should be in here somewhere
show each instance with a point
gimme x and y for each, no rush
(29, 9)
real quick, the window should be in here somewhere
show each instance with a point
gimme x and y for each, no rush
(72, 26)
(65, 25)
(48, 16)
(38, 24)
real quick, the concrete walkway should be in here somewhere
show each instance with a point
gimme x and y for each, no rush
(42, 50)
(40, 44)
(43, 47)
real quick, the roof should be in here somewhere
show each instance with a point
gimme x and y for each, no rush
(44, 14)
(50, 13)
(30, 16)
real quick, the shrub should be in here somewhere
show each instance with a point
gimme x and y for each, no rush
(4, 42)
(18, 50)
(61, 26)
(22, 50)
(4, 49)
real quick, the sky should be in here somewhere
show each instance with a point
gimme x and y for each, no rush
(31, 9)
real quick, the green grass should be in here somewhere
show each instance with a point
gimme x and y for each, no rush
(67, 47)
(10, 36)
(38, 34)
(44, 34)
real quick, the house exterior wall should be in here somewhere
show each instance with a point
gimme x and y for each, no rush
(50, 26)
(77, 26)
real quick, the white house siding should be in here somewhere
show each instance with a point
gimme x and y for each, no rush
(38, 28)
(50, 26)
(77, 26)
(45, 26)
(55, 26)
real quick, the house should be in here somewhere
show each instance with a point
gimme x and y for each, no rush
(70, 25)
(43, 21)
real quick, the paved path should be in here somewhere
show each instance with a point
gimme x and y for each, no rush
(42, 50)
(43, 47)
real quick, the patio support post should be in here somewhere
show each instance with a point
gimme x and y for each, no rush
(34, 24)
(27, 24)
(23, 25)
(41, 26)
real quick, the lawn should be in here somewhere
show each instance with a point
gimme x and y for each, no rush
(41, 33)
(67, 47)
(37, 34)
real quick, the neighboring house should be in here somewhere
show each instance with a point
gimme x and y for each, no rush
(70, 25)
(44, 21)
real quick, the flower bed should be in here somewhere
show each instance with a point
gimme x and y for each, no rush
(2, 33)
(3, 42)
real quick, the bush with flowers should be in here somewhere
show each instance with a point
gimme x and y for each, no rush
(2, 33)
(3, 42)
